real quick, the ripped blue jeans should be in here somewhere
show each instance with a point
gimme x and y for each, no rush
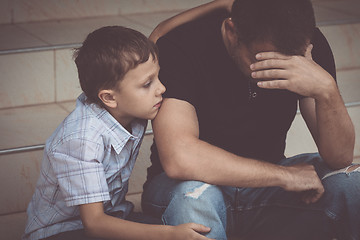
(262, 213)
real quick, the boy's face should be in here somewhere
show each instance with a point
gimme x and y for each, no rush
(139, 93)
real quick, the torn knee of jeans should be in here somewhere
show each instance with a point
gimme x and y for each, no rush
(348, 170)
(353, 168)
(197, 191)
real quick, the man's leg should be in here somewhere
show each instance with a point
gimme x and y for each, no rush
(272, 213)
(181, 202)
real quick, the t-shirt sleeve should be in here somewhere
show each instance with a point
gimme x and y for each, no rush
(177, 72)
(80, 175)
(322, 53)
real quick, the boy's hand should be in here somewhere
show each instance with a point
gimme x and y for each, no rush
(299, 74)
(189, 231)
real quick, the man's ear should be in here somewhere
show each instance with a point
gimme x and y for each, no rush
(308, 51)
(108, 98)
(230, 31)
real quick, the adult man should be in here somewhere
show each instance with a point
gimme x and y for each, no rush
(233, 85)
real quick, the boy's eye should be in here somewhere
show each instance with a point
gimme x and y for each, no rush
(147, 84)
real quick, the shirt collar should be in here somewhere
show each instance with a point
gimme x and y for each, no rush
(120, 136)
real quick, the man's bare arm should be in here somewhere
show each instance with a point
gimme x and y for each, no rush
(184, 156)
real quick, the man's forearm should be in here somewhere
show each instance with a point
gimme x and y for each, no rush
(336, 135)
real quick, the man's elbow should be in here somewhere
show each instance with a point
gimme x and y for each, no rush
(177, 167)
(340, 161)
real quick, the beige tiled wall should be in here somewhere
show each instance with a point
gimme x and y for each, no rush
(299, 139)
(349, 85)
(26, 79)
(43, 10)
(29, 125)
(66, 77)
(5, 11)
(19, 179)
(344, 41)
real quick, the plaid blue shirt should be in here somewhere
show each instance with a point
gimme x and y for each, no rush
(89, 158)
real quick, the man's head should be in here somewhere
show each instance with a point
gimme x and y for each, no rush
(107, 54)
(285, 26)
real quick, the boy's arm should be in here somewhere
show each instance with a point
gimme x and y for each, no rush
(99, 224)
(187, 16)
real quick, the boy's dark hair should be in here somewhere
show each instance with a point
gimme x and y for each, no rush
(107, 54)
(287, 24)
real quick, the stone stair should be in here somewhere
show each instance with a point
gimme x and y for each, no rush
(39, 85)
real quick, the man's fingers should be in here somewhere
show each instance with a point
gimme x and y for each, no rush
(271, 55)
(269, 63)
(270, 74)
(273, 84)
(312, 196)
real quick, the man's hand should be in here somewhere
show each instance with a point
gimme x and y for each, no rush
(295, 73)
(303, 178)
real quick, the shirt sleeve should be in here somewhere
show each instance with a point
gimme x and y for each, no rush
(177, 72)
(322, 53)
(79, 172)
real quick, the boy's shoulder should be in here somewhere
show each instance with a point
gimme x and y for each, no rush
(89, 122)
(83, 122)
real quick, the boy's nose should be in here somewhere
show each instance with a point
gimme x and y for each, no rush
(161, 89)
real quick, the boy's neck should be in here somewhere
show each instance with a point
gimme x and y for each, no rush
(124, 121)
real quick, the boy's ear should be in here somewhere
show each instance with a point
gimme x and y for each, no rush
(108, 98)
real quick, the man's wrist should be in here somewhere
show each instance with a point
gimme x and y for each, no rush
(328, 93)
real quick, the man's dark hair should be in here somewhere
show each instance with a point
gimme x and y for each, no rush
(287, 24)
(107, 54)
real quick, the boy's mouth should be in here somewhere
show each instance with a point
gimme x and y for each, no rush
(158, 104)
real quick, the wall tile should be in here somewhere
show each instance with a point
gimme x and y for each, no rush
(13, 37)
(354, 113)
(139, 6)
(5, 11)
(67, 82)
(68, 106)
(19, 179)
(12, 226)
(299, 139)
(75, 31)
(27, 78)
(29, 125)
(349, 85)
(325, 16)
(345, 43)
(349, 7)
(42, 10)
(151, 20)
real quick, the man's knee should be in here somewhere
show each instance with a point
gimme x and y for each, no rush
(192, 198)
(343, 184)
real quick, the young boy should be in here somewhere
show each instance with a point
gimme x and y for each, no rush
(88, 160)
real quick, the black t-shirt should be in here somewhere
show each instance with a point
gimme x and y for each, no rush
(233, 114)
